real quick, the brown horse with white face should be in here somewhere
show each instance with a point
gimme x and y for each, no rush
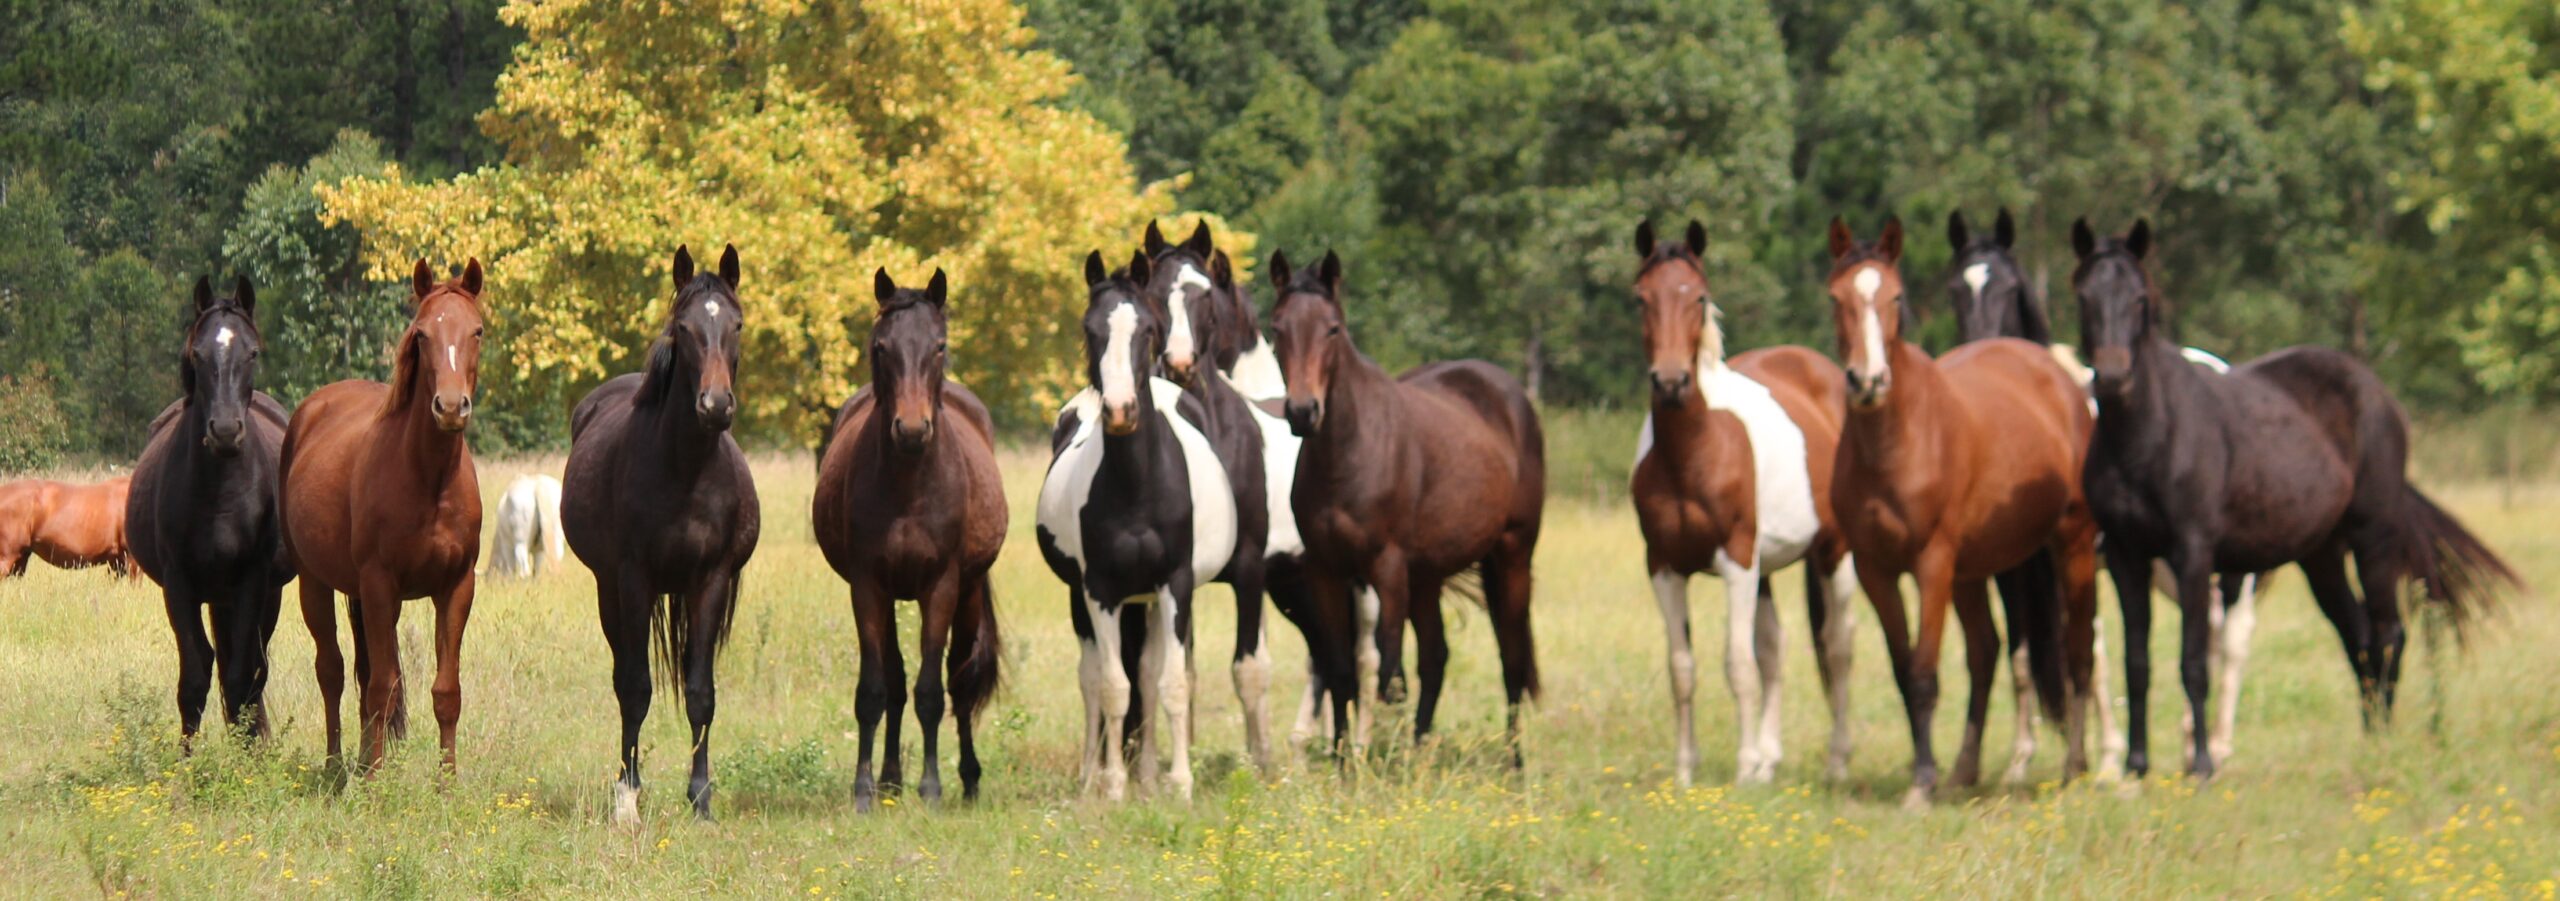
(1733, 476)
(382, 503)
(1954, 471)
(1402, 483)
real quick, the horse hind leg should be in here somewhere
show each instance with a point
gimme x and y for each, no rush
(320, 616)
(2015, 592)
(2380, 570)
(1772, 666)
(1508, 585)
(1982, 665)
(1832, 611)
(1170, 645)
(1110, 688)
(2238, 622)
(1251, 668)
(933, 638)
(876, 626)
(710, 608)
(2326, 570)
(1671, 594)
(1431, 652)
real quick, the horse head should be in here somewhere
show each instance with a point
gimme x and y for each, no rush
(1680, 330)
(1183, 291)
(1866, 308)
(701, 340)
(909, 347)
(1986, 287)
(1307, 327)
(443, 342)
(219, 363)
(1121, 334)
(2119, 303)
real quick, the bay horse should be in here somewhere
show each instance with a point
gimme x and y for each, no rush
(1182, 283)
(910, 505)
(71, 526)
(2300, 456)
(202, 516)
(1403, 483)
(658, 503)
(1733, 476)
(1954, 471)
(1135, 510)
(381, 502)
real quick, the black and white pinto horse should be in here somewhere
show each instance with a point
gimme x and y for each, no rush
(1136, 510)
(1990, 296)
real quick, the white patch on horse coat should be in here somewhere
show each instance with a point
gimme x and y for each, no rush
(223, 337)
(1644, 439)
(1257, 371)
(1976, 276)
(1069, 485)
(1782, 482)
(1178, 341)
(1279, 477)
(1119, 387)
(711, 308)
(1869, 280)
(2206, 359)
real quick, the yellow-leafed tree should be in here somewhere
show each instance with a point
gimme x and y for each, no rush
(824, 138)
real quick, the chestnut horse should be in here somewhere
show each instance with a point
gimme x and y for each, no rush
(658, 503)
(910, 505)
(381, 503)
(1733, 476)
(70, 526)
(1403, 483)
(203, 519)
(2300, 456)
(1957, 470)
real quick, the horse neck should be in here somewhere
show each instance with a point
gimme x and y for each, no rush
(2143, 407)
(1908, 416)
(1680, 429)
(1358, 385)
(675, 427)
(1132, 460)
(427, 454)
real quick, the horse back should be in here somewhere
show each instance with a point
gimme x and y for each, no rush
(1480, 439)
(1810, 388)
(2351, 408)
(2024, 440)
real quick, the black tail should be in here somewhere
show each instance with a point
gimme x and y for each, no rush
(675, 630)
(974, 665)
(2461, 574)
(2031, 599)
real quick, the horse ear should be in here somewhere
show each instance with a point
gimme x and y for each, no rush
(421, 279)
(729, 265)
(1841, 241)
(1644, 240)
(1957, 234)
(204, 293)
(1140, 270)
(244, 296)
(1889, 244)
(1697, 239)
(1280, 270)
(1331, 270)
(1199, 242)
(1155, 242)
(1095, 271)
(1222, 271)
(938, 291)
(883, 288)
(2005, 230)
(2083, 241)
(2140, 240)
(684, 267)
(471, 277)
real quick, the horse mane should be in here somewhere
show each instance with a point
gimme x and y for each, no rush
(660, 374)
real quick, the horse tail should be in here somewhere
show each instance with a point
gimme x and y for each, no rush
(675, 630)
(2459, 571)
(975, 674)
(2031, 598)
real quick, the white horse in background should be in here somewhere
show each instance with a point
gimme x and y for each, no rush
(528, 514)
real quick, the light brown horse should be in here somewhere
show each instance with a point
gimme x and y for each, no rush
(70, 526)
(1954, 471)
(381, 503)
(1733, 476)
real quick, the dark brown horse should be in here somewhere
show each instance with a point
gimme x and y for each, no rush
(910, 505)
(658, 503)
(71, 526)
(1403, 483)
(203, 518)
(2300, 456)
(381, 502)
(1954, 471)
(1733, 476)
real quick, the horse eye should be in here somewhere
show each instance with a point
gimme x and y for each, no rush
(944, 347)
(477, 331)
(1332, 330)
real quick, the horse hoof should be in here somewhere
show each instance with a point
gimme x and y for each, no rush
(1836, 771)
(930, 791)
(2015, 776)
(626, 805)
(1916, 800)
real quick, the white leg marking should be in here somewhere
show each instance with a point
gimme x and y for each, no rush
(1839, 650)
(2022, 746)
(1253, 681)
(1173, 688)
(2111, 743)
(1308, 712)
(1089, 676)
(1368, 657)
(2237, 624)
(1112, 774)
(626, 805)
(1671, 594)
(1741, 662)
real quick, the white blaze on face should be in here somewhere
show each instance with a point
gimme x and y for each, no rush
(452, 358)
(711, 308)
(1119, 378)
(1976, 276)
(1178, 342)
(1868, 281)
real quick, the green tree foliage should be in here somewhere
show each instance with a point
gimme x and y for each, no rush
(323, 321)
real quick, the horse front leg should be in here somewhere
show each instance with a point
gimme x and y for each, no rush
(453, 615)
(1883, 587)
(1108, 689)
(383, 702)
(1832, 607)
(933, 638)
(1251, 667)
(1982, 666)
(1170, 644)
(1741, 663)
(1936, 577)
(320, 617)
(195, 662)
(876, 628)
(710, 608)
(2132, 574)
(2193, 562)
(1671, 595)
(624, 615)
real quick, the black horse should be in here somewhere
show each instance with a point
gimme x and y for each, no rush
(2300, 456)
(1181, 283)
(201, 519)
(658, 503)
(1135, 510)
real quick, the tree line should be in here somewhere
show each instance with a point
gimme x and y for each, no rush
(2377, 175)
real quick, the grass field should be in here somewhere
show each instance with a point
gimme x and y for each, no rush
(2462, 797)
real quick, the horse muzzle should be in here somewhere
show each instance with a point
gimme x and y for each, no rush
(1181, 370)
(225, 437)
(911, 437)
(1305, 417)
(717, 409)
(1670, 384)
(453, 416)
(1120, 419)
(1867, 392)
(2110, 371)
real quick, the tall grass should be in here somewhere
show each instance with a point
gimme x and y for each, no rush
(2460, 796)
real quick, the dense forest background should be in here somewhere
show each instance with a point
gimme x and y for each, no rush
(2382, 176)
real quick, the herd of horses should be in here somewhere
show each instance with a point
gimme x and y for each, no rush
(1213, 444)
